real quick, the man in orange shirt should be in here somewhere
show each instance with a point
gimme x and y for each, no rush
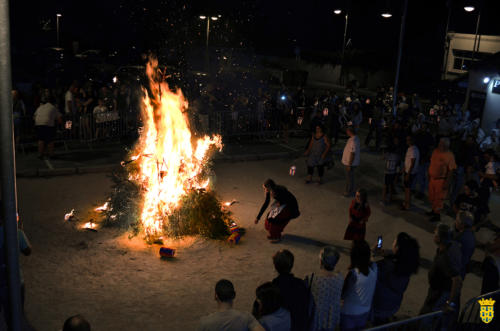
(441, 171)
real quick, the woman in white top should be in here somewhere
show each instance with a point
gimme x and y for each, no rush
(359, 287)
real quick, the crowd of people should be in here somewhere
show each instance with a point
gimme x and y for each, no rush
(438, 151)
(84, 112)
(370, 291)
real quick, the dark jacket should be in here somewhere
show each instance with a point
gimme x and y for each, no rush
(294, 297)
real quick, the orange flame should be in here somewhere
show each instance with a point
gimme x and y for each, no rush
(169, 161)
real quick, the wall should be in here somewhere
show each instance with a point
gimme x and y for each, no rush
(461, 41)
(491, 111)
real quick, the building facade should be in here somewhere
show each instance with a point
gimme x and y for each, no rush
(459, 53)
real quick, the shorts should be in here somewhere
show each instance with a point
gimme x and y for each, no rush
(408, 183)
(389, 179)
(46, 133)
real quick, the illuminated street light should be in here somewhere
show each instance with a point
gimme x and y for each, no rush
(386, 15)
(202, 17)
(214, 18)
(486, 80)
(469, 8)
(337, 11)
(58, 17)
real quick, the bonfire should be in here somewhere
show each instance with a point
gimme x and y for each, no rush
(163, 189)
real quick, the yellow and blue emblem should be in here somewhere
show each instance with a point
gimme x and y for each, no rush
(487, 312)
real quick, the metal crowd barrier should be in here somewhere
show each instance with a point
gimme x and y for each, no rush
(81, 129)
(470, 317)
(430, 321)
(90, 128)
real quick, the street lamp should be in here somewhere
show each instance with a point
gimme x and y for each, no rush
(469, 9)
(208, 19)
(58, 17)
(346, 22)
(386, 15)
(213, 18)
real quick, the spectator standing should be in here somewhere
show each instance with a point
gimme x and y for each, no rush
(326, 289)
(490, 142)
(491, 267)
(45, 118)
(359, 287)
(351, 160)
(392, 161)
(464, 235)
(268, 310)
(444, 276)
(25, 249)
(359, 211)
(393, 277)
(375, 125)
(227, 318)
(18, 112)
(318, 149)
(70, 100)
(100, 117)
(425, 142)
(468, 200)
(71, 108)
(441, 170)
(292, 289)
(412, 159)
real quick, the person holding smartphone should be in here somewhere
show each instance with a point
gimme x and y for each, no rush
(394, 272)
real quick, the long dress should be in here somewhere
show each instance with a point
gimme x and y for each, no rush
(317, 149)
(358, 215)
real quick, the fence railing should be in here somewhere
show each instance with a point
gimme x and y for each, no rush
(430, 321)
(92, 128)
(470, 318)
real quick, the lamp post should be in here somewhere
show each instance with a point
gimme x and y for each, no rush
(338, 12)
(469, 8)
(208, 19)
(8, 173)
(58, 17)
(387, 14)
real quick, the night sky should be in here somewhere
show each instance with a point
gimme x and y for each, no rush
(265, 27)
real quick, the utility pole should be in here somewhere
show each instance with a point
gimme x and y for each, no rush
(8, 173)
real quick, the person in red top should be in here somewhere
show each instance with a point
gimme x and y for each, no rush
(359, 211)
(441, 171)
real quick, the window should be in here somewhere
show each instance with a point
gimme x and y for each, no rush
(463, 59)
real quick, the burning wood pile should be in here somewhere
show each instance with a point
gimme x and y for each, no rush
(163, 190)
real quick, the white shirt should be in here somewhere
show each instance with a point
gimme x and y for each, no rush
(46, 114)
(352, 146)
(68, 97)
(412, 153)
(359, 291)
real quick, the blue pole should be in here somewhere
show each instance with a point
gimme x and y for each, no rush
(400, 51)
(8, 173)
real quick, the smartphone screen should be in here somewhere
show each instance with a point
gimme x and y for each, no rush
(379, 242)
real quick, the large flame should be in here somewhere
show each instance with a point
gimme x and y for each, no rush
(170, 160)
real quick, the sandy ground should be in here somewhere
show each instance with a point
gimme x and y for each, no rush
(121, 284)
